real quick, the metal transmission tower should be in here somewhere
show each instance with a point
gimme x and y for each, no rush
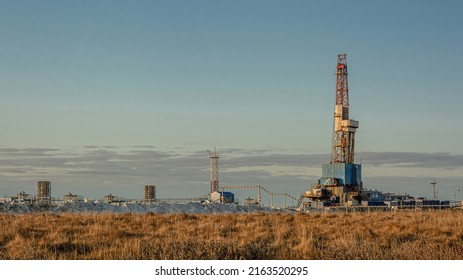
(344, 128)
(214, 170)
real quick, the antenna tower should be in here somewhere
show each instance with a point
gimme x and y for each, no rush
(214, 170)
(344, 128)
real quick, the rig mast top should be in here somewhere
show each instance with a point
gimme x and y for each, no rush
(344, 128)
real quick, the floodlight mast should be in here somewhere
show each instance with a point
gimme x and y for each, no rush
(214, 170)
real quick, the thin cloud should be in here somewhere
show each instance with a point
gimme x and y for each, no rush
(126, 169)
(408, 159)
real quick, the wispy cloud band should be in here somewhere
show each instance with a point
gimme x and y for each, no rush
(125, 168)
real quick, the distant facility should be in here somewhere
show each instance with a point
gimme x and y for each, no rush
(43, 195)
(340, 184)
(22, 197)
(110, 198)
(72, 197)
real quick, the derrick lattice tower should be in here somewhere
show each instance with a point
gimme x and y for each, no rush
(341, 180)
(214, 170)
(344, 128)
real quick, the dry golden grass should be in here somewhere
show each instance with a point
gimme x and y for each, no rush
(417, 235)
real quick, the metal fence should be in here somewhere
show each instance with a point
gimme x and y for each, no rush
(366, 209)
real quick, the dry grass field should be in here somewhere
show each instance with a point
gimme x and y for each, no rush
(408, 235)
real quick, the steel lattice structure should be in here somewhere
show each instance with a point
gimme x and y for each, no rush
(344, 128)
(214, 170)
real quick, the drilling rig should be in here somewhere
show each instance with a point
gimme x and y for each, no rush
(341, 180)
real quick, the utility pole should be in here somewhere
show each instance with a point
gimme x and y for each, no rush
(459, 191)
(434, 189)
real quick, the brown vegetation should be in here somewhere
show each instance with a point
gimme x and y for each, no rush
(417, 235)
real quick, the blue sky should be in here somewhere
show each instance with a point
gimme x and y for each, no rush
(250, 77)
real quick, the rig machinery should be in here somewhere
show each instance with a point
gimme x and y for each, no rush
(341, 180)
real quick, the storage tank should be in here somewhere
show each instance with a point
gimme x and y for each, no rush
(150, 193)
(43, 191)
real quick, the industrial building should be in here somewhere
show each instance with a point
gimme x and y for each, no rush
(72, 197)
(22, 197)
(223, 197)
(110, 198)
